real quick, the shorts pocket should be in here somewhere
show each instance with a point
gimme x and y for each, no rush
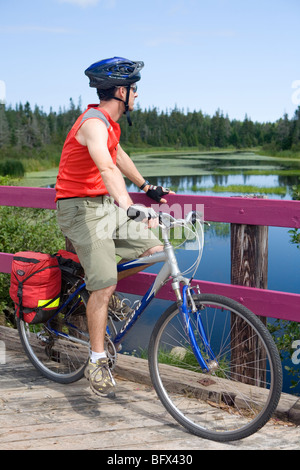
(66, 215)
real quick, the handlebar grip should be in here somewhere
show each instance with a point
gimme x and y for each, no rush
(194, 218)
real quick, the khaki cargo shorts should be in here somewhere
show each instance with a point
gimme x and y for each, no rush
(100, 231)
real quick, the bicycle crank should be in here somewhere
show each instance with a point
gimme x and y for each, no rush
(110, 352)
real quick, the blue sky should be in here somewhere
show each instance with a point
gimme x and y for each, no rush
(239, 56)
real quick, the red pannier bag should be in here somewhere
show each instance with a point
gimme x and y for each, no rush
(35, 285)
(69, 261)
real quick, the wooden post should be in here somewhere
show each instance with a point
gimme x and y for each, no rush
(249, 255)
(249, 267)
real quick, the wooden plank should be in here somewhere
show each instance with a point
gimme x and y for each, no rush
(6, 262)
(46, 415)
(20, 196)
(241, 210)
(252, 211)
(266, 303)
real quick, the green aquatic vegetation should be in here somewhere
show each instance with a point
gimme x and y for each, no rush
(244, 189)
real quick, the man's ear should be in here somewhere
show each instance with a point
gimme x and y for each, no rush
(121, 92)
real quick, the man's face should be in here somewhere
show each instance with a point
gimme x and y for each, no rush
(133, 95)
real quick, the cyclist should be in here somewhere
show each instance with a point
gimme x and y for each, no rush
(93, 205)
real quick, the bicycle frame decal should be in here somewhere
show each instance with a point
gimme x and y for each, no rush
(161, 277)
(134, 316)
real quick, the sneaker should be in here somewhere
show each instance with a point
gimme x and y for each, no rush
(118, 307)
(100, 377)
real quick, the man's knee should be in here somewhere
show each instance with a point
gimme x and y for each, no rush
(151, 251)
(102, 296)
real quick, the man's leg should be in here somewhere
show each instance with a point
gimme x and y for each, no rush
(97, 371)
(153, 250)
(96, 311)
(130, 272)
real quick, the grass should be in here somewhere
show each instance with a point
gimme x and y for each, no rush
(284, 154)
(244, 189)
(183, 358)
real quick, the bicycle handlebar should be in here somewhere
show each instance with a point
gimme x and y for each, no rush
(191, 218)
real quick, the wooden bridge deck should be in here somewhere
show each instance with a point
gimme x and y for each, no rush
(38, 414)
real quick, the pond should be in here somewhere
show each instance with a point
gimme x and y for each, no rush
(221, 173)
(218, 174)
(205, 173)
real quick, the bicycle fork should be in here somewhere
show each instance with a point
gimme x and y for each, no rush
(183, 305)
(186, 312)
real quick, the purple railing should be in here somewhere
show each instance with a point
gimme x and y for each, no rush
(239, 210)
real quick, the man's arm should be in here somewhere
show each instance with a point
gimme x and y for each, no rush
(128, 168)
(94, 135)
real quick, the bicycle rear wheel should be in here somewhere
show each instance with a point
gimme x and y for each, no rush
(242, 388)
(59, 349)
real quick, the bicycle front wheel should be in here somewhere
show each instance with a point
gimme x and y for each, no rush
(242, 387)
(60, 348)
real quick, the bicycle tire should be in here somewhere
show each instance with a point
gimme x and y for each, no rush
(57, 357)
(219, 405)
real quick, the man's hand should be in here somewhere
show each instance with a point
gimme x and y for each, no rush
(157, 193)
(140, 213)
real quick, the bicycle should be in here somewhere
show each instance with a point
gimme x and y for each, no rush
(212, 362)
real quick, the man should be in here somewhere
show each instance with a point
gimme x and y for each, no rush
(89, 183)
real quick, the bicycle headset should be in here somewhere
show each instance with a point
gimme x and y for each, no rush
(117, 71)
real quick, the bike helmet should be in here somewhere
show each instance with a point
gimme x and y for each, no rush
(117, 71)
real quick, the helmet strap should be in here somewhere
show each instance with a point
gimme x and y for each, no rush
(126, 105)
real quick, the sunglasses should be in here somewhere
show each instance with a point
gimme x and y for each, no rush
(134, 88)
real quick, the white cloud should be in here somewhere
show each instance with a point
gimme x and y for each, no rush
(2, 96)
(81, 3)
(89, 3)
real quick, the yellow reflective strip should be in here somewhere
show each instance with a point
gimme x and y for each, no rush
(53, 304)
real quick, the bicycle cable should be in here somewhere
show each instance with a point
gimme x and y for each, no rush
(199, 238)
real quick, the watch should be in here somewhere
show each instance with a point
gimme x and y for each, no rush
(144, 184)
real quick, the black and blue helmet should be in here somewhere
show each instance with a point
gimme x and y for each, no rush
(117, 71)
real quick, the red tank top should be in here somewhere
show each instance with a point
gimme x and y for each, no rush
(78, 175)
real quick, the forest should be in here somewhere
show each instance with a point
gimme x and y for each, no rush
(33, 135)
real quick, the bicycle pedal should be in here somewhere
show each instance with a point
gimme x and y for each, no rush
(119, 308)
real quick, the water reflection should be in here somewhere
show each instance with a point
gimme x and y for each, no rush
(206, 184)
(197, 173)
